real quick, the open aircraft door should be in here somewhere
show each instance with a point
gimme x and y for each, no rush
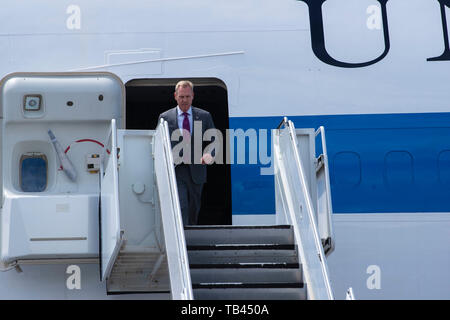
(54, 128)
(111, 235)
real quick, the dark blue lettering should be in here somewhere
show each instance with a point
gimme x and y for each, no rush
(318, 37)
(446, 55)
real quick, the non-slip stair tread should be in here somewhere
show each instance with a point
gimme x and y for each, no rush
(244, 285)
(244, 262)
(223, 235)
(228, 227)
(217, 247)
(245, 266)
(242, 256)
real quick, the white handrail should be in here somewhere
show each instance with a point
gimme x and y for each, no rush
(177, 258)
(290, 176)
(329, 208)
(110, 249)
(349, 295)
(1, 159)
(321, 131)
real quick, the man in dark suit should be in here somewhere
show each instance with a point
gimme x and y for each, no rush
(190, 123)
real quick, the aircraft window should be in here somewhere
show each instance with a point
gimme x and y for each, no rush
(347, 169)
(444, 167)
(33, 172)
(399, 168)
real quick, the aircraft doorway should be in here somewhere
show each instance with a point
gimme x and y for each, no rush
(146, 99)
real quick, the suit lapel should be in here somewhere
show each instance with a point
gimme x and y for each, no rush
(173, 121)
(195, 115)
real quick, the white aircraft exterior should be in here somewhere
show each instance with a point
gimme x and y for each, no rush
(374, 73)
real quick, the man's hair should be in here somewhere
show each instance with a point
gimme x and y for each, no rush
(184, 84)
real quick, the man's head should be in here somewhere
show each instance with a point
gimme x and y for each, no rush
(184, 94)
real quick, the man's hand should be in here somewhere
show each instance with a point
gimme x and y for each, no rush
(207, 159)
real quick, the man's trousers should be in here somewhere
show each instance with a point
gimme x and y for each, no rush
(189, 193)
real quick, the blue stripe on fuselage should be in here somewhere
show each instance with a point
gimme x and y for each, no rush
(378, 163)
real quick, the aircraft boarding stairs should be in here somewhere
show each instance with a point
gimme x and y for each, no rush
(244, 262)
(114, 200)
(265, 261)
(224, 262)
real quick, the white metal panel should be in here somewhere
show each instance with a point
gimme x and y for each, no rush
(60, 222)
(137, 193)
(391, 255)
(49, 227)
(83, 90)
(307, 152)
(180, 279)
(111, 235)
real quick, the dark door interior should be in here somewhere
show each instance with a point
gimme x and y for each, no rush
(146, 99)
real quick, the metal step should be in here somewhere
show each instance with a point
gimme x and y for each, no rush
(244, 262)
(242, 254)
(249, 291)
(207, 235)
(135, 270)
(246, 272)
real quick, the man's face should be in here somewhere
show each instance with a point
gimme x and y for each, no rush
(184, 97)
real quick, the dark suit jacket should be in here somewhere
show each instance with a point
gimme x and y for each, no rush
(198, 171)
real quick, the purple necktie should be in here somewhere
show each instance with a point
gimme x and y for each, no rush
(186, 124)
(186, 135)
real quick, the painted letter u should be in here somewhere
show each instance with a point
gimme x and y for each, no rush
(318, 37)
